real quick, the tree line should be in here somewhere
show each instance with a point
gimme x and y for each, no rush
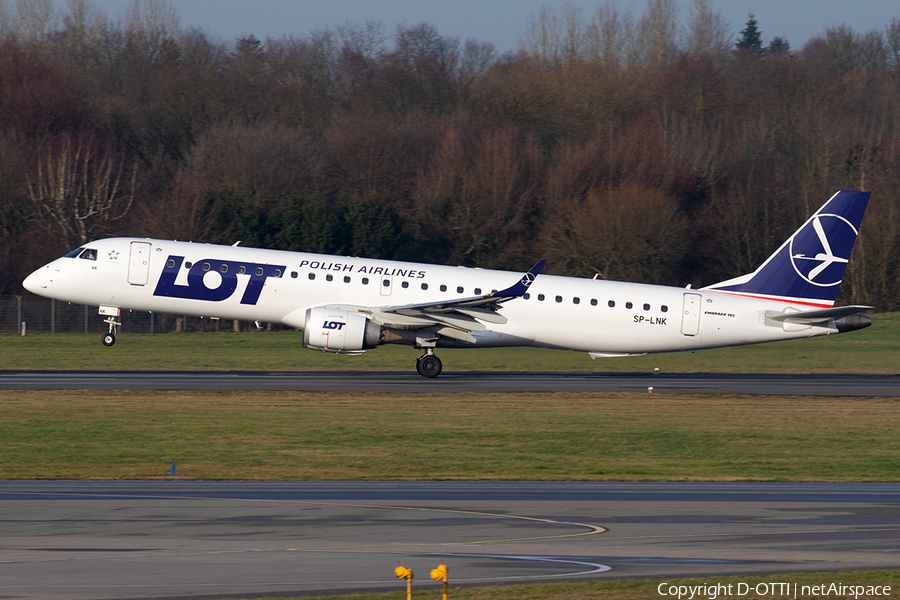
(635, 147)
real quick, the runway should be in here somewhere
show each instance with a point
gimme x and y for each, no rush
(75, 540)
(449, 382)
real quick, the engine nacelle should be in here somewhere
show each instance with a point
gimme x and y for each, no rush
(340, 331)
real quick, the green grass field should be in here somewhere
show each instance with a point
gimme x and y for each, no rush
(552, 436)
(872, 350)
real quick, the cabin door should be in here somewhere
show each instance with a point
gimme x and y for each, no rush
(139, 263)
(690, 317)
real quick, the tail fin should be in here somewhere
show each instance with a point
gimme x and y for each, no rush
(808, 268)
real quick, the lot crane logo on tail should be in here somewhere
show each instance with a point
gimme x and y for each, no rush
(817, 257)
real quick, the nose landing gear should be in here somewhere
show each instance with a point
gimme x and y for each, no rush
(111, 313)
(429, 365)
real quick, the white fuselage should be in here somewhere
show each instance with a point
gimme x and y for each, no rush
(596, 316)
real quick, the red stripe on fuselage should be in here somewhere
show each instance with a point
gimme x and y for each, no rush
(773, 299)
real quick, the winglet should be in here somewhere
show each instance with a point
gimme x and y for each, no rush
(521, 286)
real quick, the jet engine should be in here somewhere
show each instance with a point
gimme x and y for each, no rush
(340, 331)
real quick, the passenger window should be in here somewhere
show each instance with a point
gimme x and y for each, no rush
(477, 291)
(206, 266)
(188, 265)
(170, 264)
(346, 279)
(223, 268)
(526, 295)
(276, 272)
(424, 286)
(664, 308)
(611, 303)
(576, 300)
(540, 297)
(241, 270)
(629, 305)
(593, 302)
(459, 289)
(443, 288)
(405, 284)
(312, 275)
(365, 281)
(329, 277)
(559, 298)
(646, 307)
(259, 271)
(386, 282)
(89, 254)
(293, 274)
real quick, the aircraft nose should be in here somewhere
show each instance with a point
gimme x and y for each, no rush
(37, 282)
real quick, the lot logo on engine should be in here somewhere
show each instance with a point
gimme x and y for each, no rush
(215, 280)
(333, 325)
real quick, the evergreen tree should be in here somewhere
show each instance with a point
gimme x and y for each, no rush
(778, 45)
(751, 37)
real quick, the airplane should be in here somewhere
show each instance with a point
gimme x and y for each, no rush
(348, 305)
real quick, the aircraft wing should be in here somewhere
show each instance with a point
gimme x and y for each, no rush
(451, 318)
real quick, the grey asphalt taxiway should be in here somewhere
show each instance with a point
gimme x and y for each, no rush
(450, 382)
(175, 539)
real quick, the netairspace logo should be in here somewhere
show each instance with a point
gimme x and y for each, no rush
(780, 589)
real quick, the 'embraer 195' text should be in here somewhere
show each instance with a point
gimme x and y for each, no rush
(215, 280)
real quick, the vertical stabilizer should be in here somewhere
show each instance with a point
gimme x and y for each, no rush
(808, 268)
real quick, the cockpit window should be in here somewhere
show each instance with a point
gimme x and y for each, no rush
(74, 253)
(89, 254)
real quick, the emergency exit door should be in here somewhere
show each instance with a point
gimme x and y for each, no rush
(690, 316)
(139, 263)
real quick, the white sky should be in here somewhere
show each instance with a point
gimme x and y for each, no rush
(501, 22)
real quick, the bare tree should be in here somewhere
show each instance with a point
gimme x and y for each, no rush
(6, 19)
(658, 29)
(78, 187)
(36, 20)
(477, 195)
(555, 37)
(892, 39)
(572, 40)
(367, 41)
(85, 28)
(627, 233)
(605, 36)
(707, 31)
(541, 42)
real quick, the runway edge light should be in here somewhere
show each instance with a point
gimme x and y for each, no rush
(440, 574)
(404, 573)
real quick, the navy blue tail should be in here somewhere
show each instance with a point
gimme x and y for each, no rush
(809, 266)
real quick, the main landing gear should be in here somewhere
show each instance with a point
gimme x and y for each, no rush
(429, 365)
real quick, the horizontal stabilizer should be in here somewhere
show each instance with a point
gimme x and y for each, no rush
(816, 316)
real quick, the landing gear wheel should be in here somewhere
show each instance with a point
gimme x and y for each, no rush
(108, 339)
(429, 366)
